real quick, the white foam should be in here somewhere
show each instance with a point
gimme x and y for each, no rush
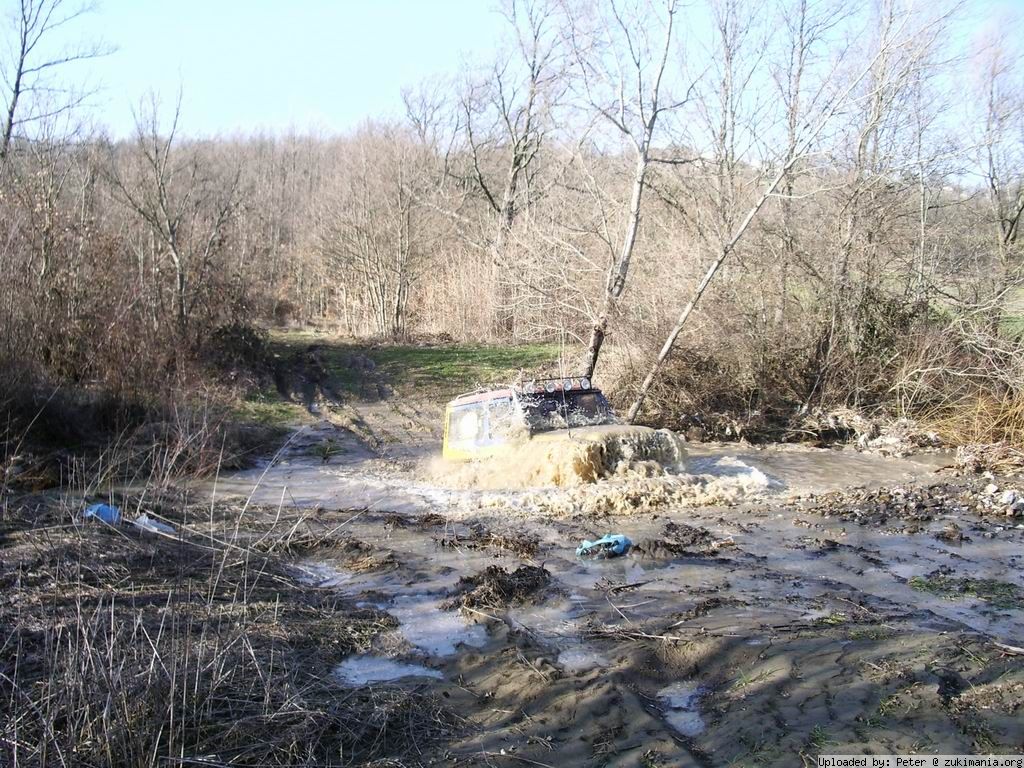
(433, 630)
(321, 575)
(362, 670)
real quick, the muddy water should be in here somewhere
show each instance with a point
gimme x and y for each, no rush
(778, 634)
(411, 479)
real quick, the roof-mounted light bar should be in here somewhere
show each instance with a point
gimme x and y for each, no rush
(551, 386)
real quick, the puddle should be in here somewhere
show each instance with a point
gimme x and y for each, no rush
(363, 670)
(432, 630)
(581, 659)
(783, 570)
(680, 700)
(357, 479)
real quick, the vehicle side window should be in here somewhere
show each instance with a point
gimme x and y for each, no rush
(501, 420)
(465, 425)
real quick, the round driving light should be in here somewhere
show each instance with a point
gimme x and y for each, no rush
(550, 387)
(585, 383)
(567, 384)
(530, 388)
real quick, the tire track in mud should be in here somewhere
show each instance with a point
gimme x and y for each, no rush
(805, 678)
(801, 633)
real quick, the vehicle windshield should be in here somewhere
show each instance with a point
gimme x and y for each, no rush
(558, 410)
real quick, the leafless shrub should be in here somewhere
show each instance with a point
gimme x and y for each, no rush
(126, 649)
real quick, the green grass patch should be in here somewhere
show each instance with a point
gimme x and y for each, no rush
(356, 371)
(746, 679)
(832, 620)
(268, 408)
(999, 594)
(870, 633)
(820, 738)
(460, 368)
(443, 371)
(1012, 324)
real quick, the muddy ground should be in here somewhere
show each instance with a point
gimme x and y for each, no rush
(805, 601)
(778, 603)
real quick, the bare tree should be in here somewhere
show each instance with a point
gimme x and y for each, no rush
(504, 118)
(370, 227)
(30, 93)
(898, 39)
(806, 28)
(185, 206)
(1002, 152)
(620, 71)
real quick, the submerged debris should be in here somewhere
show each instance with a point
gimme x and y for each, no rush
(609, 545)
(353, 554)
(919, 504)
(495, 588)
(998, 594)
(952, 534)
(706, 606)
(680, 539)
(520, 544)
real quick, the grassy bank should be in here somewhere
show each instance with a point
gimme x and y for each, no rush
(119, 647)
(310, 367)
(442, 369)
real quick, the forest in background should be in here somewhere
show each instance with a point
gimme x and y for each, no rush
(774, 211)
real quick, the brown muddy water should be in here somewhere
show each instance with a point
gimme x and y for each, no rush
(744, 628)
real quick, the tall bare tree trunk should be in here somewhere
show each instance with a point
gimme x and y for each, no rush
(617, 278)
(648, 107)
(889, 42)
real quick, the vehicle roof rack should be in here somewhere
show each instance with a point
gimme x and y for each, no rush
(534, 386)
(557, 384)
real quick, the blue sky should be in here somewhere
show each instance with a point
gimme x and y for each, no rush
(323, 65)
(265, 65)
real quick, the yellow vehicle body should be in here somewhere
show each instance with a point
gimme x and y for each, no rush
(468, 432)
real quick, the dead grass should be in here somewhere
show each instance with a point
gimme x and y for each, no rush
(999, 458)
(122, 648)
(520, 544)
(978, 418)
(494, 588)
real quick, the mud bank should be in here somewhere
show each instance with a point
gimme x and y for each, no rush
(761, 618)
(742, 635)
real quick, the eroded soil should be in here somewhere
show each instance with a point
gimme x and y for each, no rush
(766, 614)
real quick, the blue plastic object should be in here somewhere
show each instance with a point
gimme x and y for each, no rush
(609, 545)
(104, 512)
